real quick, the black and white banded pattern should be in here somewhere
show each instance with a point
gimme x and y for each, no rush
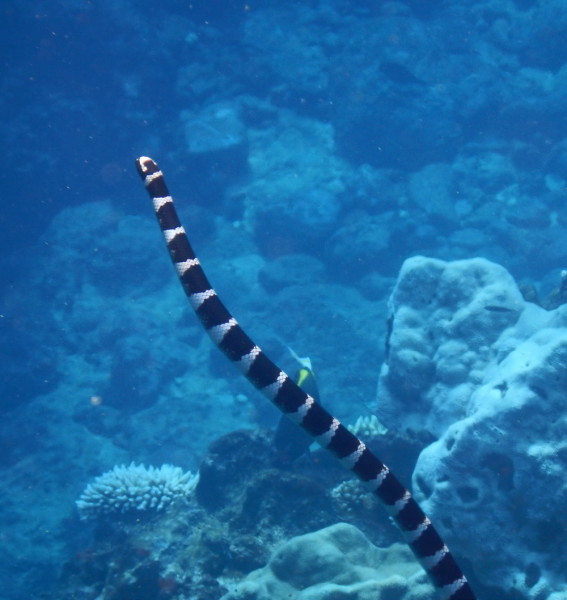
(299, 406)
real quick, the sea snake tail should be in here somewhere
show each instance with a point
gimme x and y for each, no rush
(296, 404)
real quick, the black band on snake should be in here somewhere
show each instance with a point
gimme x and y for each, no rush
(296, 404)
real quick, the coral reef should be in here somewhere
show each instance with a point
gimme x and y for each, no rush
(228, 528)
(319, 144)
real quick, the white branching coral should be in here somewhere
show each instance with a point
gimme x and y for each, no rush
(351, 499)
(368, 426)
(125, 489)
(347, 496)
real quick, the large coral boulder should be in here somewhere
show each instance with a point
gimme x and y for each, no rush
(484, 373)
(335, 562)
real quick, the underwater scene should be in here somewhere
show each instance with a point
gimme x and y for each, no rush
(370, 222)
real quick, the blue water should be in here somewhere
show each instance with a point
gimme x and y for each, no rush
(311, 147)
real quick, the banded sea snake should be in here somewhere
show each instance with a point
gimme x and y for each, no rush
(295, 403)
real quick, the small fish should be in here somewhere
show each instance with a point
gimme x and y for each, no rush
(399, 74)
(304, 361)
(290, 441)
(500, 309)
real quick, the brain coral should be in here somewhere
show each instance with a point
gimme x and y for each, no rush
(124, 489)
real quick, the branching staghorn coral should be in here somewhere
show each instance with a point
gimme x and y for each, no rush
(125, 489)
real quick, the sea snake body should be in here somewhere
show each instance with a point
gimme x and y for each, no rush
(298, 405)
